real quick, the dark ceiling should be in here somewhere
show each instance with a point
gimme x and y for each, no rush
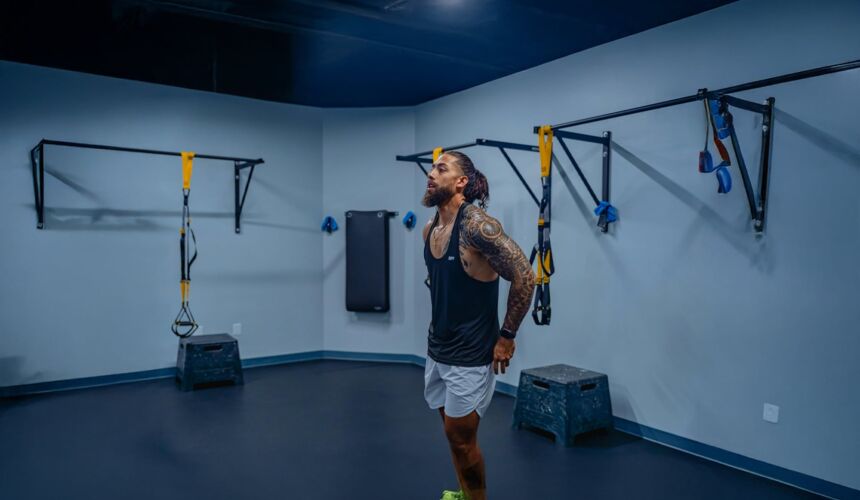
(320, 53)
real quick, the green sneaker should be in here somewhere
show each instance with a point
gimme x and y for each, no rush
(453, 495)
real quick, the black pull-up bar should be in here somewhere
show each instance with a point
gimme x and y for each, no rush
(757, 204)
(421, 158)
(714, 94)
(49, 142)
(37, 162)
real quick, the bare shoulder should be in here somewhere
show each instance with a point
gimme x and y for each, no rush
(427, 226)
(478, 223)
(480, 227)
(484, 233)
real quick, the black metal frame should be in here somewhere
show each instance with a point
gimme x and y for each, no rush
(715, 94)
(238, 166)
(606, 142)
(421, 158)
(758, 207)
(757, 204)
(37, 162)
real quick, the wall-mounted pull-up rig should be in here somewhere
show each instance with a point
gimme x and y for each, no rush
(426, 157)
(757, 201)
(37, 161)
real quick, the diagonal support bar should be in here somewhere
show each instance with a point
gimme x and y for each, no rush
(578, 171)
(417, 162)
(764, 164)
(37, 162)
(517, 171)
(745, 175)
(237, 177)
(757, 201)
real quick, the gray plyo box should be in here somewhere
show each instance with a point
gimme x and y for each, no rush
(206, 359)
(564, 400)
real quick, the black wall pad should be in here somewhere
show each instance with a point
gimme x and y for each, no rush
(367, 283)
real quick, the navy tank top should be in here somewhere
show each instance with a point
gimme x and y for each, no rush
(465, 322)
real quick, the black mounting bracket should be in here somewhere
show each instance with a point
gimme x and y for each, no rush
(757, 200)
(758, 205)
(37, 163)
(606, 141)
(238, 166)
(427, 157)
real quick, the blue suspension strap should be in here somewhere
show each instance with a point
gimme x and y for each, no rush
(542, 251)
(718, 125)
(184, 325)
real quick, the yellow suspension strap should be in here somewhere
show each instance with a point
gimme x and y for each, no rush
(542, 251)
(437, 152)
(184, 325)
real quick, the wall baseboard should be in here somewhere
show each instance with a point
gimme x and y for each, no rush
(85, 382)
(725, 457)
(737, 461)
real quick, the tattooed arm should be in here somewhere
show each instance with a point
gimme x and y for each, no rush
(485, 233)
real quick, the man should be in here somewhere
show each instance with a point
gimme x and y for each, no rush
(466, 251)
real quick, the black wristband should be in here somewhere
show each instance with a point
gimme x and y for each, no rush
(506, 334)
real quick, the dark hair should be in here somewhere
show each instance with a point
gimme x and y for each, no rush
(477, 188)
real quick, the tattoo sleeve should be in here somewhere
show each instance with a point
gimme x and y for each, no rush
(485, 233)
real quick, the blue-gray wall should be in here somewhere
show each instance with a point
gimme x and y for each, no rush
(95, 292)
(696, 320)
(360, 173)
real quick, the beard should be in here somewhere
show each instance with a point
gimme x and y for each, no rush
(438, 196)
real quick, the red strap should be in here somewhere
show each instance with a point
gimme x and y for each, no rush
(721, 148)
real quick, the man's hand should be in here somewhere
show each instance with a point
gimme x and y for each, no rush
(502, 354)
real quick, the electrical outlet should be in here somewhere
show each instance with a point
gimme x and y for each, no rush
(237, 329)
(771, 413)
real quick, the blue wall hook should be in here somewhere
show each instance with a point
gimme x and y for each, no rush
(329, 225)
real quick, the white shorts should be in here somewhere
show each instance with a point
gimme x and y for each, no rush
(460, 389)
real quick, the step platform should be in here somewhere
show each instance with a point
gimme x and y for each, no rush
(208, 360)
(563, 400)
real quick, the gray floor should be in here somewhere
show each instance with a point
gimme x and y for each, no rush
(319, 430)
